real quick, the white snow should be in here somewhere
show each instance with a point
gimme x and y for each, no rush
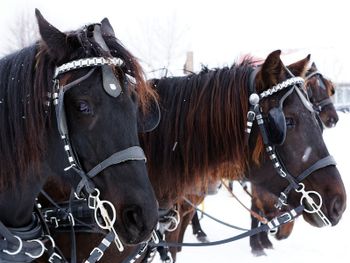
(306, 243)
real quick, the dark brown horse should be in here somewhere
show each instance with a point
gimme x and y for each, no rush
(94, 117)
(319, 90)
(198, 131)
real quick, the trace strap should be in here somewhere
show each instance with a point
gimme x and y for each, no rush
(274, 223)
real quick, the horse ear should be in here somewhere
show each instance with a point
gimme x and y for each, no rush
(272, 68)
(299, 68)
(55, 40)
(106, 28)
(313, 66)
(148, 121)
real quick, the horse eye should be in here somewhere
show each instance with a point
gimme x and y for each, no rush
(290, 123)
(84, 107)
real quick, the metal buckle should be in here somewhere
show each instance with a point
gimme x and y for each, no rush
(289, 217)
(54, 220)
(54, 256)
(98, 250)
(71, 219)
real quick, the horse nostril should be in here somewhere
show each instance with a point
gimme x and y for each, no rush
(333, 121)
(336, 209)
(132, 218)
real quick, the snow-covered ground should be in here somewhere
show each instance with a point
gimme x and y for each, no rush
(306, 244)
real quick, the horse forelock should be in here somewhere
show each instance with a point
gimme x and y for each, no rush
(201, 133)
(143, 90)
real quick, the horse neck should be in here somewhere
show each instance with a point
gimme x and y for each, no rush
(202, 128)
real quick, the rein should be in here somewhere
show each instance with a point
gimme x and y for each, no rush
(274, 223)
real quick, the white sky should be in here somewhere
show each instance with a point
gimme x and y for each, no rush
(217, 31)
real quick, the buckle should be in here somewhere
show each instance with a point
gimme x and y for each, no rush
(289, 217)
(98, 250)
(54, 256)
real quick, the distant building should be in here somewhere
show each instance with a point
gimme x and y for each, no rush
(341, 98)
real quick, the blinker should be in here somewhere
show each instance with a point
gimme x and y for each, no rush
(277, 127)
(110, 83)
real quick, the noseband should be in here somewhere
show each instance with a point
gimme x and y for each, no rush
(256, 113)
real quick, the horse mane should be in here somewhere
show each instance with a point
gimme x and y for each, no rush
(25, 79)
(202, 131)
(22, 115)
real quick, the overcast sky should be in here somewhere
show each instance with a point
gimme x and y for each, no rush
(217, 31)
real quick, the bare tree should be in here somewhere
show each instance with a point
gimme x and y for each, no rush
(161, 45)
(22, 33)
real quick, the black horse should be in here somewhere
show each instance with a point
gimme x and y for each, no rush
(100, 99)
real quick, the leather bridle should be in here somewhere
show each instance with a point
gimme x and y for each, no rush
(318, 105)
(293, 84)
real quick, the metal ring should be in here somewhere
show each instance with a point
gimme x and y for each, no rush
(302, 188)
(308, 195)
(97, 193)
(52, 240)
(112, 220)
(175, 220)
(42, 249)
(20, 246)
(273, 231)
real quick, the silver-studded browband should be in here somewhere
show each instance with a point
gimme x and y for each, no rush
(280, 86)
(87, 62)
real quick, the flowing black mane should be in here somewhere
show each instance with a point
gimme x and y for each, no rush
(202, 127)
(25, 80)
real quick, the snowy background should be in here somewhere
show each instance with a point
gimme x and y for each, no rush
(160, 32)
(306, 243)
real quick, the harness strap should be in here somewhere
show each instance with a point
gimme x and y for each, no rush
(322, 163)
(134, 153)
(253, 213)
(320, 105)
(98, 252)
(213, 218)
(274, 223)
(309, 76)
(23, 244)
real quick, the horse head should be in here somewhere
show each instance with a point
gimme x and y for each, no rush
(101, 102)
(294, 143)
(319, 90)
